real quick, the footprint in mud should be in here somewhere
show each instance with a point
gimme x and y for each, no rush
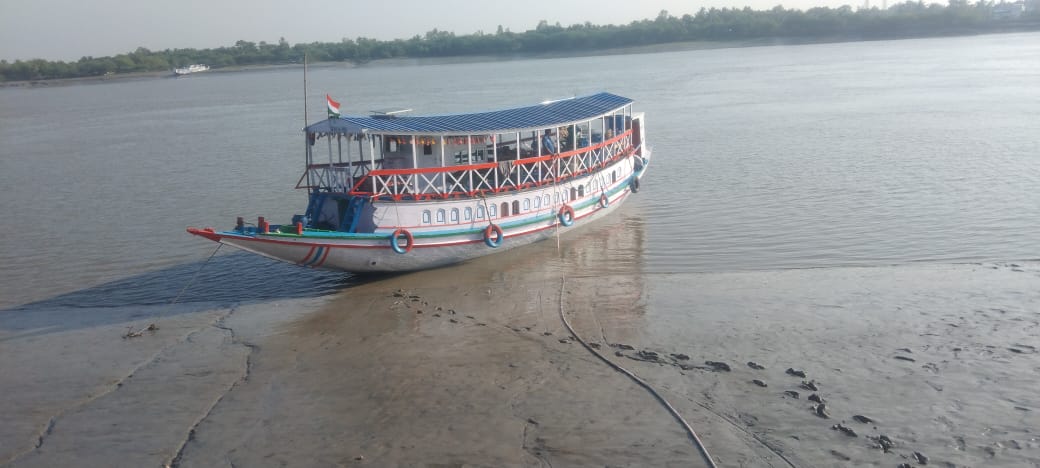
(795, 372)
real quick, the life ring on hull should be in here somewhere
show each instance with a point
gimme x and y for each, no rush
(493, 236)
(633, 186)
(566, 215)
(604, 201)
(396, 245)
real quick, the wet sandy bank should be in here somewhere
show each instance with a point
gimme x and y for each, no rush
(471, 366)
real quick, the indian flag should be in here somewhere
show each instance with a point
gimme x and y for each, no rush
(333, 106)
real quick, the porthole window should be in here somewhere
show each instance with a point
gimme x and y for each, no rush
(505, 209)
(440, 216)
(454, 215)
(492, 211)
(426, 217)
(468, 214)
(546, 198)
(516, 206)
(537, 202)
(480, 212)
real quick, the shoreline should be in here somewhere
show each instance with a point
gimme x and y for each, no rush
(398, 61)
(476, 367)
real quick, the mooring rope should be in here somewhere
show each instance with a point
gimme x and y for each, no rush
(154, 325)
(689, 430)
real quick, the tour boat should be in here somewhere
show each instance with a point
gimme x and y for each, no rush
(195, 68)
(401, 192)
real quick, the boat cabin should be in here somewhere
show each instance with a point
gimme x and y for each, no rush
(393, 156)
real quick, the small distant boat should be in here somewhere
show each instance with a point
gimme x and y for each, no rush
(402, 193)
(195, 68)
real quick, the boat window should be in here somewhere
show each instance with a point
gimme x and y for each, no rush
(581, 191)
(574, 194)
(516, 206)
(427, 149)
(537, 202)
(505, 209)
(613, 176)
(426, 217)
(468, 214)
(440, 216)
(480, 212)
(492, 211)
(454, 215)
(546, 201)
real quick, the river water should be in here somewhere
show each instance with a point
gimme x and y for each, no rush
(766, 158)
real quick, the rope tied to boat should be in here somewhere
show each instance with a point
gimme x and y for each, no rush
(130, 333)
(642, 383)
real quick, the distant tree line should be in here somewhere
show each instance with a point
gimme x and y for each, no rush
(909, 19)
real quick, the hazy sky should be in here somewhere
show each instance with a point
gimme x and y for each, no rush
(70, 29)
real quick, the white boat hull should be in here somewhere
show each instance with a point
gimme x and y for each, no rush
(432, 248)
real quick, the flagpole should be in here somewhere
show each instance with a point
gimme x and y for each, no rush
(305, 90)
(307, 140)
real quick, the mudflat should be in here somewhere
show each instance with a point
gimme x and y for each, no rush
(472, 366)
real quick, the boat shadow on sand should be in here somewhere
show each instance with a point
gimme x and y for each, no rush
(235, 278)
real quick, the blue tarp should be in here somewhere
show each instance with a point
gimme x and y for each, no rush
(546, 115)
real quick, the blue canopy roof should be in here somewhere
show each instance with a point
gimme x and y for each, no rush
(544, 115)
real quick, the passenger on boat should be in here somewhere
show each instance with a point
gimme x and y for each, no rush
(548, 147)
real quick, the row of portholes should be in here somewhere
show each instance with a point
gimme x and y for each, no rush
(516, 207)
(455, 216)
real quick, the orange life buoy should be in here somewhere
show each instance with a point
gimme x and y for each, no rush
(396, 245)
(566, 215)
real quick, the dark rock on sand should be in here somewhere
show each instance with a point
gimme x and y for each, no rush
(791, 393)
(817, 398)
(795, 372)
(622, 346)
(680, 357)
(883, 442)
(810, 385)
(920, 458)
(759, 383)
(862, 419)
(821, 410)
(754, 365)
(646, 354)
(844, 430)
(718, 366)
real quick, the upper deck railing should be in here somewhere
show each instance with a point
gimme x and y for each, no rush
(466, 180)
(426, 183)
